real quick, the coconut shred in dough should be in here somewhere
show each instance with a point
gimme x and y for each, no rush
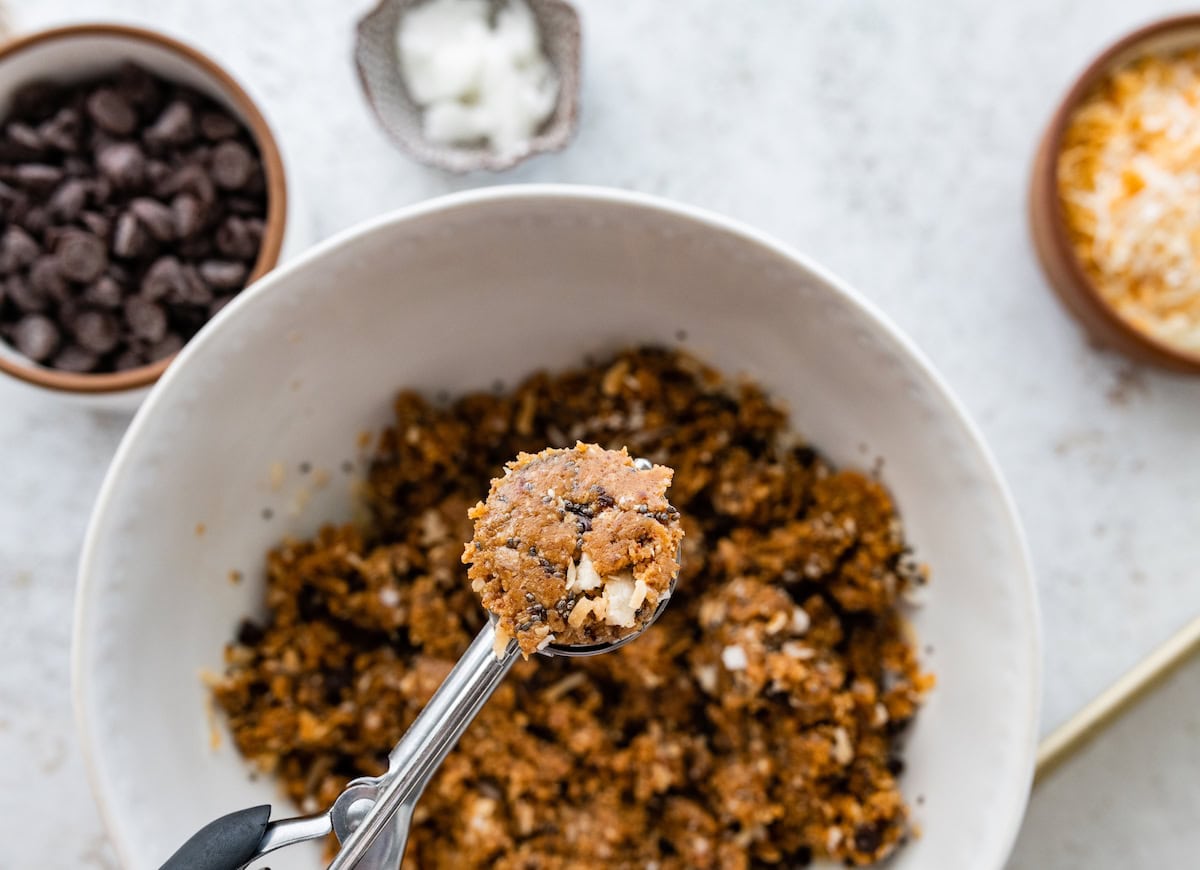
(477, 79)
(574, 547)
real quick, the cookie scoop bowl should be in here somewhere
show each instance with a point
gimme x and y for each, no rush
(79, 52)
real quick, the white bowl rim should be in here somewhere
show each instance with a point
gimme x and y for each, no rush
(1023, 774)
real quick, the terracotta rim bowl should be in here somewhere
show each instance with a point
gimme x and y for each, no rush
(1048, 220)
(246, 111)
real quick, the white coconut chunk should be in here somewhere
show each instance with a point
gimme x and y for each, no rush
(798, 650)
(843, 751)
(579, 613)
(587, 577)
(501, 643)
(618, 593)
(778, 622)
(734, 658)
(706, 676)
(640, 590)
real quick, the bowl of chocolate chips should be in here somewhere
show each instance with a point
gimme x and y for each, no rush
(141, 190)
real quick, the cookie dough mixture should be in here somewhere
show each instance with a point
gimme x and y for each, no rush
(573, 547)
(759, 723)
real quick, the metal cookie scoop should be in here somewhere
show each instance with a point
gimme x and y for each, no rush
(371, 816)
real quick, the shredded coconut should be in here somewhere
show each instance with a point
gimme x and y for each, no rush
(477, 81)
(734, 658)
(1129, 181)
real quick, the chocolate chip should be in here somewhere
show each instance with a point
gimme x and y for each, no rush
(217, 126)
(170, 345)
(66, 311)
(52, 234)
(175, 126)
(155, 217)
(77, 167)
(12, 150)
(199, 155)
(26, 298)
(74, 358)
(129, 237)
(188, 213)
(62, 131)
(123, 163)
(867, 838)
(97, 223)
(81, 256)
(67, 201)
(163, 278)
(25, 136)
(243, 205)
(34, 101)
(12, 153)
(195, 248)
(17, 249)
(194, 290)
(223, 274)
(146, 319)
(36, 337)
(14, 201)
(96, 331)
(232, 165)
(157, 171)
(187, 319)
(105, 292)
(46, 277)
(111, 112)
(250, 634)
(128, 359)
(37, 177)
(191, 179)
(236, 238)
(100, 191)
(36, 220)
(139, 87)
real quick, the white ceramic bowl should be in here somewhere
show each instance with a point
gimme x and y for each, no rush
(453, 295)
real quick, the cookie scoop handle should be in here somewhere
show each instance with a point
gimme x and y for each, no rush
(229, 843)
(420, 751)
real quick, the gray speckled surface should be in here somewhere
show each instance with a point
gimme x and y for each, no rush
(890, 141)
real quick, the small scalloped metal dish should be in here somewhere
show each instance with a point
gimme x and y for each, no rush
(376, 56)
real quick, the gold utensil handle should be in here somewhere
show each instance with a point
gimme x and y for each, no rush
(1067, 739)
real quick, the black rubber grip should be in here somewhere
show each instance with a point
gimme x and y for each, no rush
(226, 844)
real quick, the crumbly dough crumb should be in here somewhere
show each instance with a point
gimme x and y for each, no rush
(577, 544)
